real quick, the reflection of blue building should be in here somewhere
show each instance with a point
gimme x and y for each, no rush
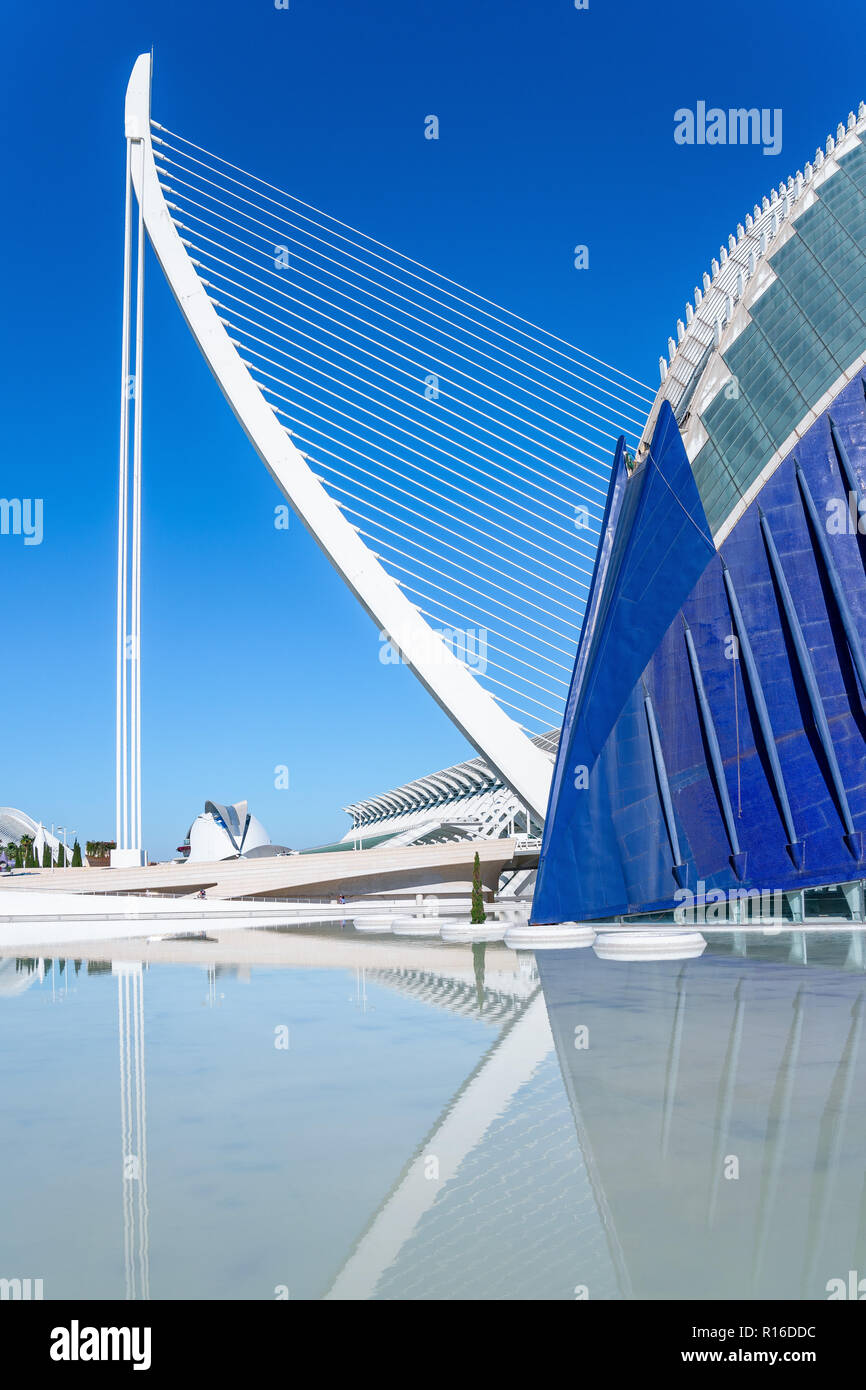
(719, 1111)
(715, 728)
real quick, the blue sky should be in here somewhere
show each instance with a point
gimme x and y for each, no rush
(556, 128)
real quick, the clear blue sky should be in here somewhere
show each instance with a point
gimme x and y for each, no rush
(556, 129)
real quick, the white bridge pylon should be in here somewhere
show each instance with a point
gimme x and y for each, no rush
(504, 743)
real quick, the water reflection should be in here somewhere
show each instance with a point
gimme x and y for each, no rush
(722, 1103)
(133, 1124)
(450, 1122)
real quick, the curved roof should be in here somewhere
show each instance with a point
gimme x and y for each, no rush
(14, 824)
(224, 831)
(776, 326)
(732, 269)
(459, 782)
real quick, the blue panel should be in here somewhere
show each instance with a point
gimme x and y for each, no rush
(606, 848)
(655, 542)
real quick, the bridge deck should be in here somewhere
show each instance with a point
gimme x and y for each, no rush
(444, 870)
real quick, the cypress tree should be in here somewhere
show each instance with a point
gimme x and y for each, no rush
(479, 949)
(76, 855)
(479, 916)
(46, 856)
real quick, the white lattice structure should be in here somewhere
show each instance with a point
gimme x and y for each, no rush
(465, 801)
(15, 823)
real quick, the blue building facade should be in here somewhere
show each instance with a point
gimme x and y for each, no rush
(715, 730)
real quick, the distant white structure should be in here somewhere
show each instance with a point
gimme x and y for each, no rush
(468, 801)
(14, 824)
(228, 832)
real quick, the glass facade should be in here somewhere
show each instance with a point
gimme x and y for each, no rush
(806, 330)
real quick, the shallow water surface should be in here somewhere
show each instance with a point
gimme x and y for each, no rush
(361, 1117)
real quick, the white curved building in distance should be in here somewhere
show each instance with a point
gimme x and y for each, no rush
(465, 802)
(228, 832)
(15, 823)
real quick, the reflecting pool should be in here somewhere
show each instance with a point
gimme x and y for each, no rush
(318, 1114)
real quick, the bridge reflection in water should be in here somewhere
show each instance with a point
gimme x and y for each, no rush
(493, 1126)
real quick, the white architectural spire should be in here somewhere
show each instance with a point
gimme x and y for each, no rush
(129, 851)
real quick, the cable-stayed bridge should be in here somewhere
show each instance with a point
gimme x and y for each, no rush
(449, 457)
